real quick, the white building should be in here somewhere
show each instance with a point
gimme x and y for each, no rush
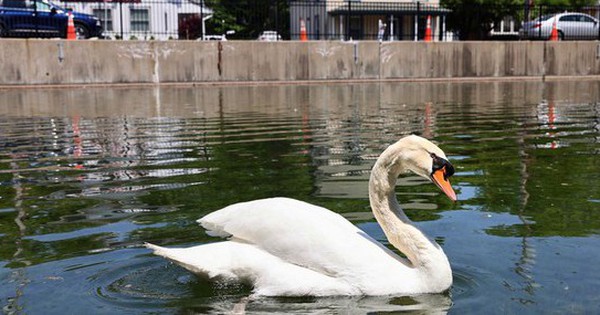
(147, 19)
(359, 20)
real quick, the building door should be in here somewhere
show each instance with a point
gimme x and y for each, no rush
(421, 25)
(356, 29)
(397, 22)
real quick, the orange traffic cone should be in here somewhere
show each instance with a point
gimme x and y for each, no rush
(428, 36)
(303, 36)
(554, 33)
(71, 35)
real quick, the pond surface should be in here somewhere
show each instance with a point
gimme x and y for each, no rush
(88, 175)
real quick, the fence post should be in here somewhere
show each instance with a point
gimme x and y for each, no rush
(540, 20)
(201, 19)
(121, 17)
(35, 19)
(277, 18)
(348, 20)
(443, 28)
(417, 17)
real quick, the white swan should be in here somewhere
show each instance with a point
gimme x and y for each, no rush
(286, 247)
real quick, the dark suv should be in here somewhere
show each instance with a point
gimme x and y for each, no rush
(42, 18)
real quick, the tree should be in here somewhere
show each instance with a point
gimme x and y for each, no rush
(474, 19)
(248, 18)
(551, 6)
(566, 3)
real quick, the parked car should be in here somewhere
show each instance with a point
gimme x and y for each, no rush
(269, 36)
(217, 37)
(569, 25)
(214, 37)
(42, 18)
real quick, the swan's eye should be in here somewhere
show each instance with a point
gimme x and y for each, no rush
(441, 163)
(449, 169)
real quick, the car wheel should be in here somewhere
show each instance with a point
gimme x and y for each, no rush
(3, 31)
(81, 31)
(561, 35)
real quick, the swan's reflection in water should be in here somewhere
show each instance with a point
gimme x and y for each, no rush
(425, 304)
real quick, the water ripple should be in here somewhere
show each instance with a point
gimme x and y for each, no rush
(87, 181)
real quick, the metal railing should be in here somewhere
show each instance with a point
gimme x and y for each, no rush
(362, 20)
(368, 20)
(120, 19)
(536, 22)
(148, 19)
(313, 20)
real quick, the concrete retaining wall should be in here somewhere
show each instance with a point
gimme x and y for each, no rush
(57, 62)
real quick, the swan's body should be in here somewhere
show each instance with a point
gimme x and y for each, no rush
(288, 247)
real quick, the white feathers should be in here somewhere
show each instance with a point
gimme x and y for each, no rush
(286, 247)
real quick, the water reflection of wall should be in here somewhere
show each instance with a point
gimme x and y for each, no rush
(348, 124)
(210, 102)
(369, 113)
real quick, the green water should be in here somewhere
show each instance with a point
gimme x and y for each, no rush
(88, 175)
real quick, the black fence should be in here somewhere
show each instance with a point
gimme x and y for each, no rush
(355, 20)
(526, 22)
(295, 20)
(361, 20)
(121, 19)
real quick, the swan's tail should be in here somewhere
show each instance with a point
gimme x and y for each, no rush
(212, 260)
(185, 257)
(160, 251)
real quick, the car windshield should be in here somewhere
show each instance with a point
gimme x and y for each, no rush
(56, 6)
(43, 6)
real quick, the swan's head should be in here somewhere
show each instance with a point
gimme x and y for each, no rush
(427, 160)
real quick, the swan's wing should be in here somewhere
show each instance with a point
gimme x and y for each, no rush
(302, 234)
(269, 275)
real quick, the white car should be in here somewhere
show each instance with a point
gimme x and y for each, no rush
(217, 37)
(569, 25)
(269, 36)
(214, 37)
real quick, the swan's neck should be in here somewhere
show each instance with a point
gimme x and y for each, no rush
(422, 252)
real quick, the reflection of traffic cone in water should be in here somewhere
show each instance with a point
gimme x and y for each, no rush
(551, 119)
(77, 145)
(71, 28)
(554, 33)
(428, 29)
(303, 36)
(427, 123)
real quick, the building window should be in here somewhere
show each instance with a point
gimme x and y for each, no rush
(105, 16)
(140, 20)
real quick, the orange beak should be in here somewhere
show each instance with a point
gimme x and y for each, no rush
(439, 178)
